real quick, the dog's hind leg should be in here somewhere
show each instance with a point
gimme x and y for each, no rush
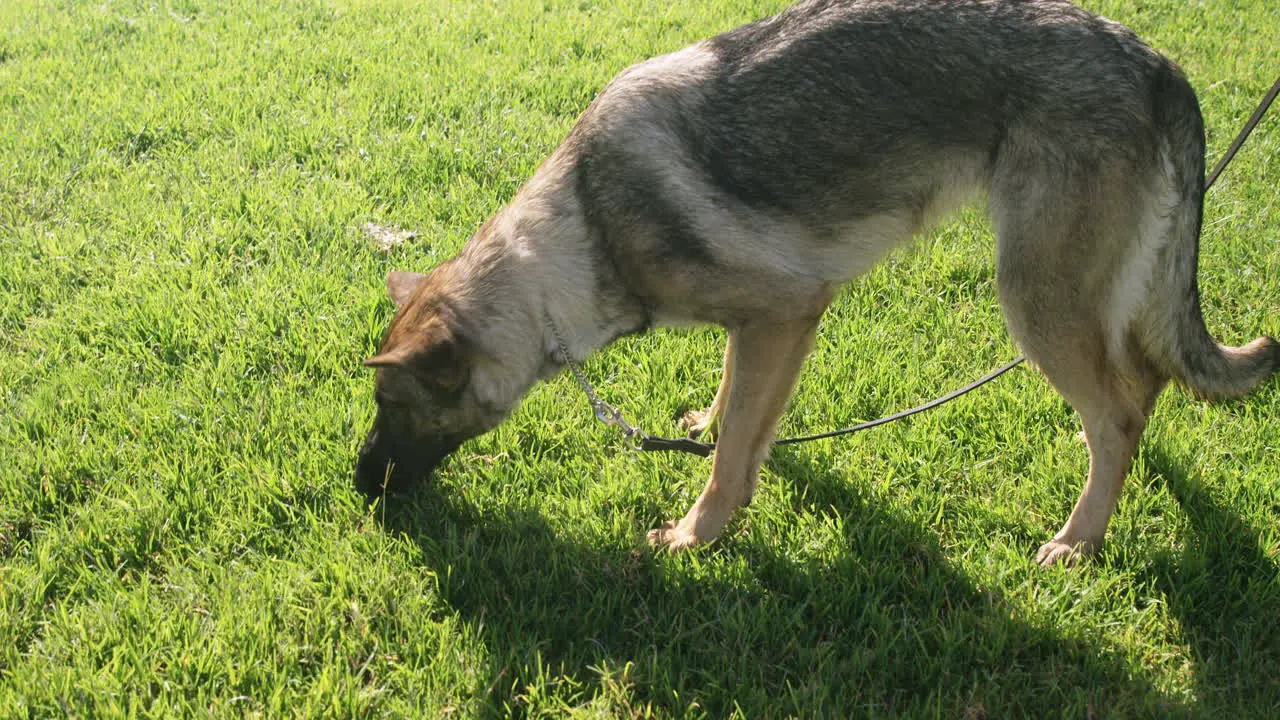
(1113, 399)
(1113, 408)
(765, 359)
(1066, 246)
(707, 421)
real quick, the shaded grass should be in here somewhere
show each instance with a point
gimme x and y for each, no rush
(185, 297)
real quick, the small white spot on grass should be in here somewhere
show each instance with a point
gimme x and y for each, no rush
(385, 237)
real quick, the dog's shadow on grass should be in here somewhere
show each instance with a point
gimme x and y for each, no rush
(1225, 592)
(883, 628)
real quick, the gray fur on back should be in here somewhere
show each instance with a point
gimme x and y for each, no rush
(799, 109)
(811, 142)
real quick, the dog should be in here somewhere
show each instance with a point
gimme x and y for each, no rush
(741, 181)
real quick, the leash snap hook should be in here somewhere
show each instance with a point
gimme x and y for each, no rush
(610, 415)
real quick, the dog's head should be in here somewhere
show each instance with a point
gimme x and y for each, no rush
(427, 406)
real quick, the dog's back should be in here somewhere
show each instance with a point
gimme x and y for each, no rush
(807, 105)
(813, 141)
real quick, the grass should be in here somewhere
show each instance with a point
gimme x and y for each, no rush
(186, 294)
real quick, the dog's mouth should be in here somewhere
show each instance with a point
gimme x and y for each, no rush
(392, 465)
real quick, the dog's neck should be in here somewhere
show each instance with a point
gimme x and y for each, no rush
(580, 302)
(575, 324)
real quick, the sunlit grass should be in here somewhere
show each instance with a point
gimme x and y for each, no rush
(186, 293)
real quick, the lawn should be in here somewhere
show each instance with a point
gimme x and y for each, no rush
(187, 290)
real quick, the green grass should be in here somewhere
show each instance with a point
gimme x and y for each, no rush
(186, 294)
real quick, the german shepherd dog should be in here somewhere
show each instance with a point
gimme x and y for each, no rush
(743, 180)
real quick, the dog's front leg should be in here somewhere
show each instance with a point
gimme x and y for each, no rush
(765, 361)
(697, 423)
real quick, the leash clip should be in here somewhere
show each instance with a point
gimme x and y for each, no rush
(610, 415)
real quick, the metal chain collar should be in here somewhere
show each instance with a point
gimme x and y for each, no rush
(605, 413)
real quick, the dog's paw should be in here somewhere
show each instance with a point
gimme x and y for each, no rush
(1067, 553)
(696, 423)
(674, 536)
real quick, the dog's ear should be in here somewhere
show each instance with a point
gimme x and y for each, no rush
(442, 360)
(402, 284)
(386, 359)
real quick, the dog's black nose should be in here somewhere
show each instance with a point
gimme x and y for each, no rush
(380, 468)
(385, 466)
(373, 468)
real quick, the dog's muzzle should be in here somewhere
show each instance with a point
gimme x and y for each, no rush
(392, 464)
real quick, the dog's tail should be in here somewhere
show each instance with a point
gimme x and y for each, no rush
(1171, 327)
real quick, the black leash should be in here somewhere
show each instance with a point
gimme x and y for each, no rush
(642, 440)
(1244, 133)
